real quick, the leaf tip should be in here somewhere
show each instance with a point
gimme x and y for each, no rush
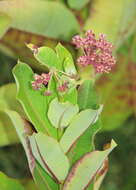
(113, 143)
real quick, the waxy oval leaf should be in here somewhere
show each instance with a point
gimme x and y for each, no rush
(77, 127)
(60, 114)
(85, 169)
(33, 102)
(56, 161)
(47, 56)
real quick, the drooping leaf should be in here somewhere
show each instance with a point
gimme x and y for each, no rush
(77, 127)
(5, 22)
(7, 183)
(54, 158)
(86, 168)
(42, 179)
(60, 114)
(77, 4)
(33, 102)
(40, 17)
(116, 16)
(66, 60)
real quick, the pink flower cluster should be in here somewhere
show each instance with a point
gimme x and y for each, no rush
(40, 80)
(97, 52)
(43, 79)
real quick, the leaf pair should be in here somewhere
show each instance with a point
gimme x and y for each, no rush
(60, 60)
(60, 114)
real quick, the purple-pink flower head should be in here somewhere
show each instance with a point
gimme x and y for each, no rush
(40, 80)
(97, 52)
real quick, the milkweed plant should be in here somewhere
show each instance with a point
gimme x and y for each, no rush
(63, 114)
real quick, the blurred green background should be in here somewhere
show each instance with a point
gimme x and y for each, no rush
(46, 22)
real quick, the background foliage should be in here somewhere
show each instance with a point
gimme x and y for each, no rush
(46, 22)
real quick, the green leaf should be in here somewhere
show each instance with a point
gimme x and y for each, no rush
(9, 135)
(87, 140)
(77, 127)
(86, 168)
(47, 56)
(8, 99)
(36, 154)
(53, 89)
(54, 158)
(5, 22)
(66, 59)
(7, 183)
(33, 102)
(42, 179)
(20, 125)
(117, 21)
(100, 175)
(77, 4)
(64, 114)
(87, 97)
(71, 96)
(40, 17)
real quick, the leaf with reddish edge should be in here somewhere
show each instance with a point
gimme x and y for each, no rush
(87, 140)
(52, 156)
(86, 168)
(87, 98)
(77, 127)
(42, 179)
(100, 175)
